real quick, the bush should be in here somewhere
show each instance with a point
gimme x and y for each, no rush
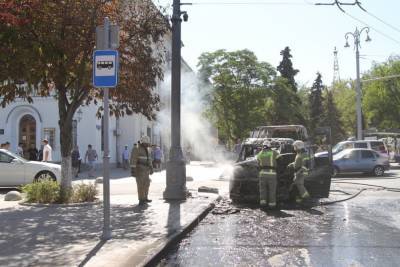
(43, 191)
(84, 192)
(48, 191)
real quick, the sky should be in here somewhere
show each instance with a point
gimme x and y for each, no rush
(310, 31)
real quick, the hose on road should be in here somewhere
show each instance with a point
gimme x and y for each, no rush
(326, 203)
(391, 189)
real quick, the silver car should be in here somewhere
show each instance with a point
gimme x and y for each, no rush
(360, 160)
(16, 171)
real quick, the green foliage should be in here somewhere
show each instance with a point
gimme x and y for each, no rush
(48, 191)
(381, 98)
(286, 69)
(316, 109)
(84, 192)
(332, 118)
(43, 191)
(344, 96)
(241, 87)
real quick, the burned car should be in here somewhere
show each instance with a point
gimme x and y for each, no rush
(244, 183)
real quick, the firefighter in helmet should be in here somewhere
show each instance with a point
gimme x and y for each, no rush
(300, 170)
(267, 177)
(142, 167)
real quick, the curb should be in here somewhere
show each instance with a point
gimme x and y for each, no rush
(71, 205)
(174, 239)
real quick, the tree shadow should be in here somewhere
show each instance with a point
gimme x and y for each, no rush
(61, 236)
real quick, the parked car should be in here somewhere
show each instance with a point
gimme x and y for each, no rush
(360, 160)
(376, 145)
(16, 171)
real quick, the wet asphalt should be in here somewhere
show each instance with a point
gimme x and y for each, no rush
(364, 231)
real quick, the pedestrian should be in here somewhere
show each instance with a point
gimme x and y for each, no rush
(125, 158)
(90, 159)
(20, 150)
(75, 156)
(7, 145)
(142, 167)
(157, 158)
(300, 170)
(267, 176)
(33, 153)
(47, 151)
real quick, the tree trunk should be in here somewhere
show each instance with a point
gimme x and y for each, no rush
(65, 124)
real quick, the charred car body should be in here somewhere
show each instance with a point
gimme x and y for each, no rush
(244, 185)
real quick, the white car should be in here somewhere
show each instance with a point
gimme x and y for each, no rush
(16, 171)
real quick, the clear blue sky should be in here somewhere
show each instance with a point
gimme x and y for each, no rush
(310, 31)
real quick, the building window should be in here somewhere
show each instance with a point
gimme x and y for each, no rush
(50, 135)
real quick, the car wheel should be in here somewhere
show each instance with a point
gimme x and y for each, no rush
(379, 171)
(335, 171)
(43, 175)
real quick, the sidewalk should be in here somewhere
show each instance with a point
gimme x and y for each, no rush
(69, 236)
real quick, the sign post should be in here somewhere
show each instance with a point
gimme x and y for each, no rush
(105, 75)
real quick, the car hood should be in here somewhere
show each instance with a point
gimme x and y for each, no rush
(321, 154)
(248, 162)
(45, 164)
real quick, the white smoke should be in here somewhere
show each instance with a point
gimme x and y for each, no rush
(199, 137)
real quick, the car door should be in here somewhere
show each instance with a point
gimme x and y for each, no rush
(367, 161)
(350, 161)
(11, 173)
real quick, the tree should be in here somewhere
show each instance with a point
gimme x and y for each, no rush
(240, 87)
(52, 54)
(332, 118)
(381, 98)
(315, 104)
(344, 96)
(286, 69)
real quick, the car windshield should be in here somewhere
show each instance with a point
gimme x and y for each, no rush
(341, 154)
(16, 156)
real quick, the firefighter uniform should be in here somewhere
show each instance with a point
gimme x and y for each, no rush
(142, 167)
(267, 176)
(300, 170)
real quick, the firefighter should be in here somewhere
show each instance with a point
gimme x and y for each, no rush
(142, 167)
(267, 177)
(300, 170)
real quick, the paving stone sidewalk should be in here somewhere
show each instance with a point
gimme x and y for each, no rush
(69, 236)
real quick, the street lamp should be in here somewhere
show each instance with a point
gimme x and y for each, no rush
(356, 36)
(176, 169)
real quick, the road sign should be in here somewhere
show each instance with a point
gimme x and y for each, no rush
(105, 68)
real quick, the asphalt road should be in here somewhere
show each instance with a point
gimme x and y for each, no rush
(363, 231)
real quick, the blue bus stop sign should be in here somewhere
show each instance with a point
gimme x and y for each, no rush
(105, 68)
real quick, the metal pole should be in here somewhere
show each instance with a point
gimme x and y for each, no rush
(358, 88)
(176, 169)
(106, 158)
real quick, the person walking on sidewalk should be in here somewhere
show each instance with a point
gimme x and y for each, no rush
(141, 168)
(47, 151)
(75, 156)
(125, 158)
(90, 158)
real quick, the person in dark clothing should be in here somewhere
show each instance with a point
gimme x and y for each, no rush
(75, 156)
(33, 153)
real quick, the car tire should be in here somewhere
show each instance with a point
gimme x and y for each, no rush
(45, 175)
(378, 171)
(335, 171)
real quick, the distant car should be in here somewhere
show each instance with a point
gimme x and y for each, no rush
(360, 160)
(376, 145)
(16, 171)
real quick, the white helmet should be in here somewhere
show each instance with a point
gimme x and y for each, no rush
(145, 139)
(267, 143)
(298, 145)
